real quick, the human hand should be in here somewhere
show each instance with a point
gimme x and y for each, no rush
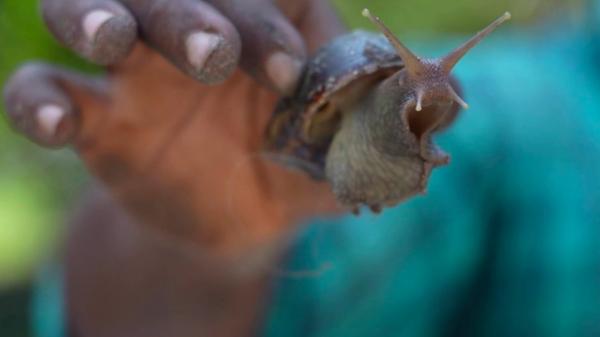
(179, 154)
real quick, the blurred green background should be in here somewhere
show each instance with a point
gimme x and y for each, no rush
(37, 187)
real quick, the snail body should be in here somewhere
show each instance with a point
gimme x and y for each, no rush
(364, 115)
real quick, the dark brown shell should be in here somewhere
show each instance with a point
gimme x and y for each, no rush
(349, 58)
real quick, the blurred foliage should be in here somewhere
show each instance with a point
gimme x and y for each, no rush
(37, 185)
(435, 17)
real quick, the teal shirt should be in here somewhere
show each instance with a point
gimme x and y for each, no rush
(507, 240)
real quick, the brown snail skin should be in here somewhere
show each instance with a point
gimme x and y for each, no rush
(369, 133)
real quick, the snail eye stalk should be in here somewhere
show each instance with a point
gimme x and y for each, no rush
(413, 64)
(449, 62)
(417, 67)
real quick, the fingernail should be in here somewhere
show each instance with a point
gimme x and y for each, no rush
(284, 71)
(200, 45)
(93, 21)
(49, 117)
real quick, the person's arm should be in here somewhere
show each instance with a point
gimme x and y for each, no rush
(172, 152)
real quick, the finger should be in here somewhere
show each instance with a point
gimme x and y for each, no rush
(192, 35)
(102, 31)
(273, 50)
(319, 23)
(43, 102)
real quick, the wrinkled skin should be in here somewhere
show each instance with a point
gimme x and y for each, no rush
(182, 230)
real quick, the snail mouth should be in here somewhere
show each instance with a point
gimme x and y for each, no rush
(422, 124)
(427, 120)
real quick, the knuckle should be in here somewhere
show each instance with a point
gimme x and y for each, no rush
(29, 71)
(23, 88)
